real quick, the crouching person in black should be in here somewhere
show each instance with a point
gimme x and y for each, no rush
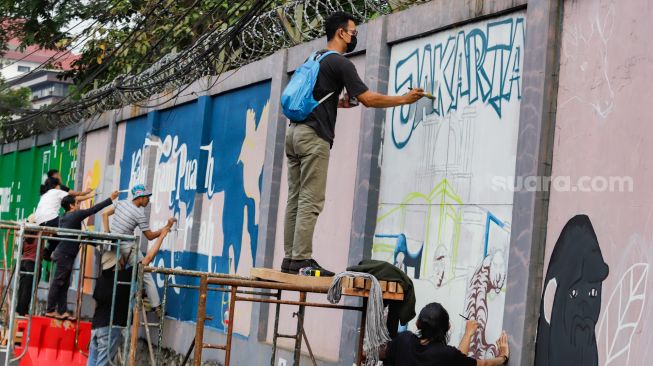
(430, 346)
(106, 336)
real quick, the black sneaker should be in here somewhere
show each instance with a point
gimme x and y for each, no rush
(296, 265)
(285, 265)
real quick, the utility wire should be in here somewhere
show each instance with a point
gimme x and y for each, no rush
(219, 48)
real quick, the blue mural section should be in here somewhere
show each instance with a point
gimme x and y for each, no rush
(180, 131)
(200, 150)
(228, 133)
(131, 164)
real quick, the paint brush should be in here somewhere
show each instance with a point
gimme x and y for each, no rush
(464, 317)
(97, 193)
(428, 95)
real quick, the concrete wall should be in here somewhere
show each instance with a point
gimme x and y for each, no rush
(602, 132)
(439, 219)
(93, 172)
(416, 186)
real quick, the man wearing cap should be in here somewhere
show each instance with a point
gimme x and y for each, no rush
(127, 216)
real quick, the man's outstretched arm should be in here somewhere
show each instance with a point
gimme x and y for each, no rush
(372, 99)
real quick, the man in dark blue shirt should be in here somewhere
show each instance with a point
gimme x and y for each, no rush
(66, 252)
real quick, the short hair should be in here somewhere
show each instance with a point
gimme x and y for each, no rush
(335, 21)
(52, 172)
(67, 202)
(50, 183)
(433, 323)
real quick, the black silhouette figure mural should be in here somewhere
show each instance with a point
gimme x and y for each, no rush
(571, 301)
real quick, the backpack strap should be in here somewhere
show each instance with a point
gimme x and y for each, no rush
(319, 59)
(325, 54)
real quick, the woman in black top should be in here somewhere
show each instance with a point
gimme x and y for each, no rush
(430, 347)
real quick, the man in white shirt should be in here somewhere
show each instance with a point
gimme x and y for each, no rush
(47, 210)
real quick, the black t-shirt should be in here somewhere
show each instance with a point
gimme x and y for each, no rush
(73, 220)
(103, 296)
(336, 72)
(405, 350)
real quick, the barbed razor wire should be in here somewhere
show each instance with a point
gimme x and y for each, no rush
(254, 35)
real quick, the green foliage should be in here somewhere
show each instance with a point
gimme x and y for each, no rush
(128, 36)
(11, 100)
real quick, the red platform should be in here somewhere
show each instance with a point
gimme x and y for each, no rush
(52, 342)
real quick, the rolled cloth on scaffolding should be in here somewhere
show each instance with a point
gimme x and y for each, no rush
(376, 332)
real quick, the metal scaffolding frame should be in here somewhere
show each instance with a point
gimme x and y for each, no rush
(235, 285)
(21, 231)
(239, 288)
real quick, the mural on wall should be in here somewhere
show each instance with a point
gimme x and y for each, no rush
(440, 219)
(489, 278)
(601, 132)
(95, 150)
(571, 301)
(221, 160)
(231, 191)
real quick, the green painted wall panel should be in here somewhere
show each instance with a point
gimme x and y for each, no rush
(24, 171)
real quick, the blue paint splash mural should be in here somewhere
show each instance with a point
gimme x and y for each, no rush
(213, 147)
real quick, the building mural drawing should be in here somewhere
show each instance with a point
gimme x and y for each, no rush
(24, 171)
(439, 218)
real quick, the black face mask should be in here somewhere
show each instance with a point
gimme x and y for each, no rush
(351, 46)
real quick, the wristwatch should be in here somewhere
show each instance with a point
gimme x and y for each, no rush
(505, 359)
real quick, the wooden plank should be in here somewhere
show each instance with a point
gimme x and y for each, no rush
(384, 285)
(278, 276)
(400, 290)
(392, 287)
(359, 282)
(364, 293)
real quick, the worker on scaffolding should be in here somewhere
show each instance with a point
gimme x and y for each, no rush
(65, 253)
(47, 210)
(308, 143)
(27, 270)
(127, 216)
(54, 173)
(105, 335)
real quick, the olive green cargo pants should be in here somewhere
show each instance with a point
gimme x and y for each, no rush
(308, 161)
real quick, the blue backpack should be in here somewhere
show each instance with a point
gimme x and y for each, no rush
(297, 99)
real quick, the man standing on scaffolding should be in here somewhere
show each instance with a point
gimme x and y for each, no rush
(127, 216)
(309, 142)
(66, 252)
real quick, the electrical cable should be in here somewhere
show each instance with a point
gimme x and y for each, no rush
(212, 53)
